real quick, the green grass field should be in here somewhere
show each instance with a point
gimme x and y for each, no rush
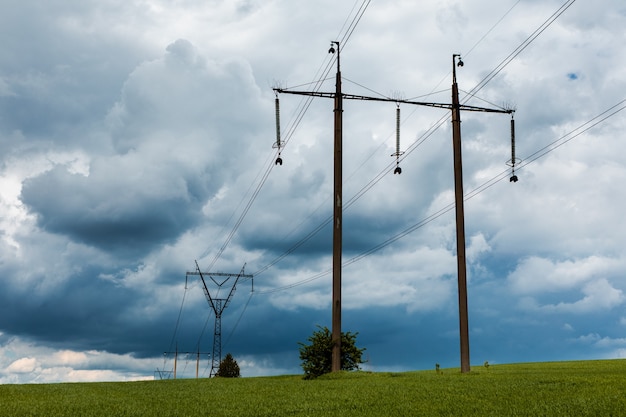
(581, 388)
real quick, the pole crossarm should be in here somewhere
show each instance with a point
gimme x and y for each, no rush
(220, 274)
(393, 100)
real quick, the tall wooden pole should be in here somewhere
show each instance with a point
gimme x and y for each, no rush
(175, 360)
(198, 363)
(460, 220)
(337, 220)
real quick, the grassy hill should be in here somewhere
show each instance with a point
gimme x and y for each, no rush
(581, 388)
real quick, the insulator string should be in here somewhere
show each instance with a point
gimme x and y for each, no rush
(397, 131)
(513, 159)
(277, 123)
(513, 142)
(397, 154)
(278, 144)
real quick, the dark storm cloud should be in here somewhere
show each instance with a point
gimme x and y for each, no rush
(58, 70)
(138, 200)
(113, 215)
(128, 203)
(94, 308)
(134, 133)
(81, 311)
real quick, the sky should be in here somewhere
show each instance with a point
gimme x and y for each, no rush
(136, 138)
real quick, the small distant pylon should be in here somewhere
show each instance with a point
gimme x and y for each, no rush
(218, 305)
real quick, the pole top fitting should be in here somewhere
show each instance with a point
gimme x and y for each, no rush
(459, 63)
(332, 49)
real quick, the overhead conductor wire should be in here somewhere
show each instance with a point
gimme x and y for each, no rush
(412, 147)
(385, 170)
(269, 166)
(429, 132)
(290, 131)
(612, 111)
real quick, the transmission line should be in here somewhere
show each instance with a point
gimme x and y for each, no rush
(307, 102)
(610, 112)
(261, 179)
(546, 24)
(245, 307)
(292, 126)
(413, 146)
(180, 312)
(491, 29)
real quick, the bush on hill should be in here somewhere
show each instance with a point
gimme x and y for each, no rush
(317, 357)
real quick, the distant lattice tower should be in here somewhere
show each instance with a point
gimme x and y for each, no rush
(218, 305)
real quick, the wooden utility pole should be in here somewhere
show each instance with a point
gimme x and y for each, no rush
(337, 217)
(197, 363)
(197, 353)
(460, 220)
(456, 108)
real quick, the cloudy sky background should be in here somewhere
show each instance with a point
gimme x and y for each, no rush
(135, 134)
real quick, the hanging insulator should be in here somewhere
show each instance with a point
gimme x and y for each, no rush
(277, 122)
(513, 160)
(513, 140)
(398, 130)
(277, 144)
(397, 154)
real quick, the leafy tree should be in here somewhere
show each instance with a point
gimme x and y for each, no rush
(228, 367)
(317, 357)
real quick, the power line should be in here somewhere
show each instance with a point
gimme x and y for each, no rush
(491, 28)
(352, 200)
(357, 18)
(265, 173)
(546, 24)
(180, 312)
(469, 51)
(292, 126)
(245, 307)
(610, 112)
(233, 212)
(307, 102)
(413, 146)
(420, 140)
(206, 323)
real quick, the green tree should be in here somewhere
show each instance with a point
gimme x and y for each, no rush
(228, 367)
(317, 357)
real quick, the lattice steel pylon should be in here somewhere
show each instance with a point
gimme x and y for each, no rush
(218, 305)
